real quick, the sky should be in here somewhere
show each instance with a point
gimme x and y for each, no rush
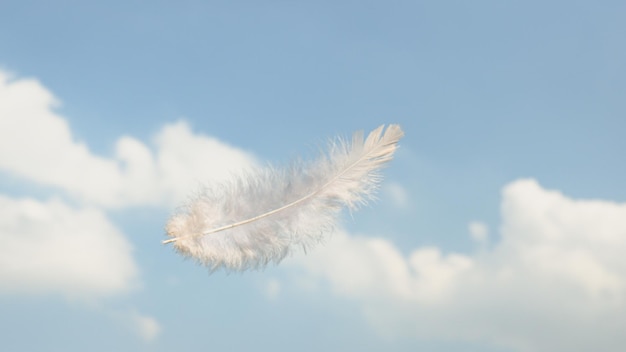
(500, 225)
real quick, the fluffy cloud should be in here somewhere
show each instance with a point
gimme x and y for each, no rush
(48, 247)
(182, 161)
(556, 281)
(37, 144)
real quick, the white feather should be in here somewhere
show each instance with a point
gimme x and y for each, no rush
(263, 215)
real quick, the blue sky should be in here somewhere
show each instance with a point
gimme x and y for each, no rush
(501, 224)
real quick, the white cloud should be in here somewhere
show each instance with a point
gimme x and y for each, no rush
(37, 144)
(185, 160)
(555, 282)
(48, 247)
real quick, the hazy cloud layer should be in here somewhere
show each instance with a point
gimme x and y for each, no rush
(555, 281)
(37, 144)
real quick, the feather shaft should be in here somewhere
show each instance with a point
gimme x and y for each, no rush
(272, 211)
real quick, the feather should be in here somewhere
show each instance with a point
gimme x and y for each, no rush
(263, 215)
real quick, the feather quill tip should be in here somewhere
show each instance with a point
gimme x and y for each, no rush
(262, 216)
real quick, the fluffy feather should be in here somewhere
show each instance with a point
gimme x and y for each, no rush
(263, 215)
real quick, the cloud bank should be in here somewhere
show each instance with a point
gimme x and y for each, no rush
(51, 247)
(555, 281)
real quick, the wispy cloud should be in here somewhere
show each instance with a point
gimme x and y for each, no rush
(555, 282)
(144, 326)
(147, 327)
(398, 194)
(272, 289)
(479, 231)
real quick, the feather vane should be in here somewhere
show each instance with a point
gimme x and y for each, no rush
(263, 215)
